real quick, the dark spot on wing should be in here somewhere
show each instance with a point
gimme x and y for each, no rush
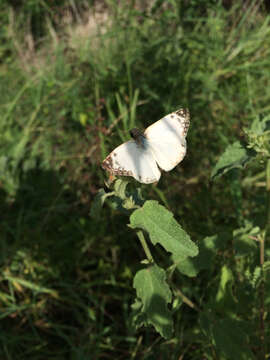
(108, 165)
(183, 112)
(184, 119)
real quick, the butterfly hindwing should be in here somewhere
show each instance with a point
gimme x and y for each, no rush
(130, 159)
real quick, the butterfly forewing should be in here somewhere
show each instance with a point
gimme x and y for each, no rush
(167, 139)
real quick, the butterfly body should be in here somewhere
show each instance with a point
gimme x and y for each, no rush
(161, 146)
(138, 136)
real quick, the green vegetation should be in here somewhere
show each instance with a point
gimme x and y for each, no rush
(74, 78)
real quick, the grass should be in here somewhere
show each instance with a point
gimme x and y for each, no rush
(66, 283)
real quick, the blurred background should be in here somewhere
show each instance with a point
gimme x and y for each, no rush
(75, 77)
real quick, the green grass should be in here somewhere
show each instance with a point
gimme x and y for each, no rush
(66, 277)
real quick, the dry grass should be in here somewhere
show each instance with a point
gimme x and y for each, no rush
(70, 27)
(74, 27)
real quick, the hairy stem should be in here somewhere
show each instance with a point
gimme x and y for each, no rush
(145, 246)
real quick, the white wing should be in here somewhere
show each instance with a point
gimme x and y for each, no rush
(166, 139)
(131, 159)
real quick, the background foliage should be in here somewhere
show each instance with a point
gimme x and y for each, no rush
(75, 77)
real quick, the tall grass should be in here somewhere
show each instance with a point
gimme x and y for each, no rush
(64, 104)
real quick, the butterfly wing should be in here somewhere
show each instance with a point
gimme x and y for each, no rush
(166, 138)
(131, 159)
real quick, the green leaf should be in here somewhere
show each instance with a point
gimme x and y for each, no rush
(259, 125)
(225, 300)
(231, 341)
(163, 229)
(244, 240)
(154, 294)
(208, 249)
(98, 202)
(229, 336)
(125, 199)
(235, 156)
(187, 266)
(120, 188)
(225, 279)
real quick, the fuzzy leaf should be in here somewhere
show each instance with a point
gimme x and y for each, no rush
(163, 229)
(154, 294)
(120, 188)
(208, 249)
(98, 202)
(187, 266)
(235, 156)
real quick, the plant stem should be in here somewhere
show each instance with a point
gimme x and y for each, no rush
(262, 241)
(261, 292)
(186, 300)
(251, 180)
(145, 246)
(267, 225)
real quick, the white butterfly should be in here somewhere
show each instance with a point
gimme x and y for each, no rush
(161, 145)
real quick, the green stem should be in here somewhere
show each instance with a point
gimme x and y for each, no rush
(145, 246)
(264, 238)
(267, 225)
(251, 180)
(261, 294)
(186, 300)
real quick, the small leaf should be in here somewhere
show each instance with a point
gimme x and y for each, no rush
(235, 156)
(126, 200)
(155, 294)
(226, 279)
(120, 188)
(129, 204)
(225, 300)
(245, 240)
(98, 202)
(259, 125)
(163, 229)
(83, 119)
(138, 318)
